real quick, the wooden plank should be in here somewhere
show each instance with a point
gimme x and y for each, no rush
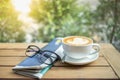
(17, 52)
(99, 69)
(81, 72)
(19, 45)
(105, 45)
(24, 45)
(66, 73)
(7, 73)
(12, 53)
(99, 62)
(12, 61)
(113, 57)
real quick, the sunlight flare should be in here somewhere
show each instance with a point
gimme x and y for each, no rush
(22, 5)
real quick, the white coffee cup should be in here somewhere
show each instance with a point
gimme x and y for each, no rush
(79, 46)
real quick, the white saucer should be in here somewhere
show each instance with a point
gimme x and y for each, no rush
(82, 61)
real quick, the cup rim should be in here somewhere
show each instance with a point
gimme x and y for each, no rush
(91, 41)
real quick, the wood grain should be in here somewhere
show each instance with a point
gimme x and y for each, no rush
(7, 73)
(19, 45)
(113, 57)
(66, 73)
(105, 67)
(17, 53)
(12, 53)
(81, 72)
(100, 62)
(12, 61)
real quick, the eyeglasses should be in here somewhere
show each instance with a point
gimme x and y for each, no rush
(42, 55)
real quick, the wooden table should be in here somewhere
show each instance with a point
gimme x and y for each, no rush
(107, 66)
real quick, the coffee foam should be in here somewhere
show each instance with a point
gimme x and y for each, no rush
(77, 40)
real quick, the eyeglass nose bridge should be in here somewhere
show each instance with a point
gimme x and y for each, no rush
(46, 55)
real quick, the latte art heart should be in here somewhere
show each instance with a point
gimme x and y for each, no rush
(77, 41)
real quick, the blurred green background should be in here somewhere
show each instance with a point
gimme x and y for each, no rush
(47, 19)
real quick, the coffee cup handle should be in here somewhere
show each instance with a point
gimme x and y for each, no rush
(96, 47)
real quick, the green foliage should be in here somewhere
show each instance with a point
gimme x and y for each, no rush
(10, 27)
(107, 19)
(60, 18)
